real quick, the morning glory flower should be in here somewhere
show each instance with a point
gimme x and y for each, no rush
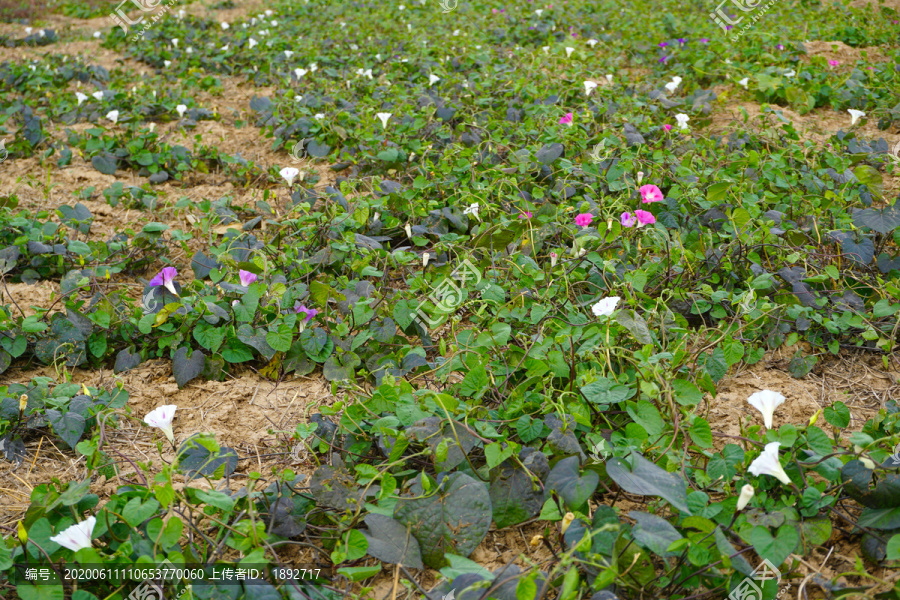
(704, 40)
(745, 497)
(224, 25)
(743, 82)
(252, 43)
(663, 44)
(569, 51)
(589, 86)
(526, 215)
(628, 220)
(308, 313)
(767, 463)
(113, 116)
(780, 46)
(246, 277)
(181, 108)
(584, 219)
(80, 97)
(663, 59)
(472, 209)
(855, 115)
(161, 418)
(554, 257)
(425, 258)
(606, 306)
(567, 119)
(433, 79)
(790, 73)
(300, 73)
(592, 42)
(289, 174)
(673, 85)
(98, 95)
(609, 78)
(833, 63)
(165, 278)
(644, 218)
(174, 42)
(539, 12)
(384, 119)
(766, 402)
(288, 53)
(682, 120)
(97, 34)
(651, 193)
(667, 127)
(76, 537)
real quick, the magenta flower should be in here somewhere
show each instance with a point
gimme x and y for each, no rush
(308, 312)
(667, 127)
(525, 215)
(729, 27)
(628, 219)
(682, 41)
(663, 44)
(833, 63)
(780, 47)
(246, 277)
(584, 219)
(663, 59)
(651, 193)
(165, 278)
(566, 120)
(644, 218)
(704, 40)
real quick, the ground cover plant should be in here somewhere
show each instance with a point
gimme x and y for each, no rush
(522, 253)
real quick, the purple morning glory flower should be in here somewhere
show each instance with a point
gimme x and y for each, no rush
(729, 27)
(682, 41)
(704, 40)
(308, 312)
(780, 46)
(663, 44)
(663, 59)
(246, 277)
(165, 278)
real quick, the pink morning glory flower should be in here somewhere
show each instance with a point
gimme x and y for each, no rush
(667, 127)
(833, 63)
(644, 217)
(584, 219)
(628, 219)
(308, 312)
(165, 278)
(525, 215)
(651, 193)
(704, 40)
(780, 47)
(246, 277)
(566, 120)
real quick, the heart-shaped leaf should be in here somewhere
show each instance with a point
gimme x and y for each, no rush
(514, 495)
(646, 479)
(654, 533)
(776, 548)
(454, 519)
(125, 360)
(106, 163)
(575, 489)
(390, 541)
(186, 368)
(201, 455)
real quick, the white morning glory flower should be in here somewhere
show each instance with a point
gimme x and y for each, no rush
(606, 306)
(767, 463)
(432, 79)
(766, 402)
(76, 537)
(589, 86)
(384, 118)
(569, 51)
(181, 108)
(743, 82)
(113, 116)
(161, 418)
(81, 97)
(472, 209)
(745, 497)
(855, 115)
(98, 95)
(682, 120)
(289, 174)
(252, 43)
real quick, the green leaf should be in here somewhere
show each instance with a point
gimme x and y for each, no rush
(686, 393)
(358, 573)
(647, 416)
(872, 180)
(475, 382)
(280, 339)
(717, 192)
(40, 592)
(644, 478)
(654, 533)
(390, 541)
(636, 324)
(136, 512)
(701, 433)
(454, 519)
(515, 497)
(575, 489)
(606, 391)
(893, 549)
(69, 426)
(528, 428)
(185, 368)
(776, 548)
(209, 336)
(837, 415)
